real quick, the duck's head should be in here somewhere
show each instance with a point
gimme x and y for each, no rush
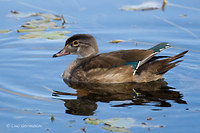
(83, 45)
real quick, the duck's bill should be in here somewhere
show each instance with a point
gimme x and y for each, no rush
(61, 53)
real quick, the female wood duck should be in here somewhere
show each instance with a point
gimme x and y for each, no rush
(114, 67)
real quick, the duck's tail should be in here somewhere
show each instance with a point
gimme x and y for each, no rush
(167, 64)
(155, 68)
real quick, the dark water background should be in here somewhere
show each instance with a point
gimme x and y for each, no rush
(28, 73)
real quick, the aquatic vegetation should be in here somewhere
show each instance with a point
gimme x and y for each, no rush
(36, 27)
(120, 124)
(145, 6)
(48, 35)
(4, 31)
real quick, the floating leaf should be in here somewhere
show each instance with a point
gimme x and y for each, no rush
(92, 121)
(119, 124)
(37, 25)
(143, 7)
(116, 129)
(19, 15)
(55, 35)
(48, 35)
(37, 21)
(31, 35)
(42, 23)
(58, 27)
(114, 124)
(33, 30)
(116, 41)
(50, 16)
(47, 25)
(4, 31)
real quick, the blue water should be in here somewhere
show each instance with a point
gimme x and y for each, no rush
(28, 73)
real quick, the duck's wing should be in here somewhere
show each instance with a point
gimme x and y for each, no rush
(118, 59)
(113, 67)
(134, 57)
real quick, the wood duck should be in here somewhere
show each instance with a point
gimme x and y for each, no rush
(121, 66)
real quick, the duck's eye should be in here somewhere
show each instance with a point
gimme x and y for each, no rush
(75, 43)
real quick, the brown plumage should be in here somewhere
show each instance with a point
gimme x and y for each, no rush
(114, 67)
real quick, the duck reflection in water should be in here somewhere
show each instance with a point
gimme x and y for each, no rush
(156, 93)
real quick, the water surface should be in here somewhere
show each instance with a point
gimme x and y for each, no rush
(28, 73)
